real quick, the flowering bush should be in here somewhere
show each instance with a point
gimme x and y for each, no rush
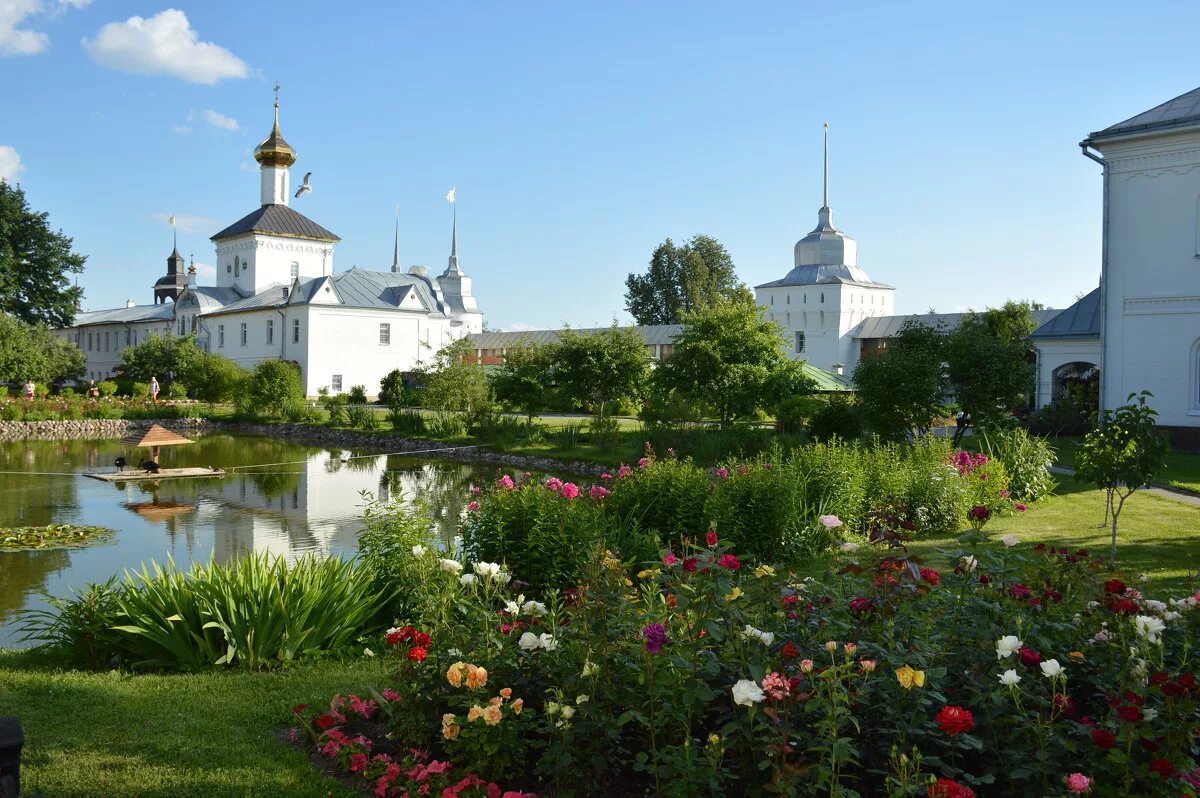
(1021, 671)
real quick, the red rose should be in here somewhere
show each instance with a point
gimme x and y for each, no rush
(1129, 713)
(1052, 595)
(1163, 767)
(860, 604)
(711, 537)
(955, 720)
(985, 580)
(417, 654)
(421, 639)
(1104, 738)
(1159, 677)
(729, 561)
(1030, 658)
(299, 708)
(947, 788)
(1114, 586)
(1019, 591)
(394, 638)
(325, 722)
(931, 576)
(689, 564)
(1124, 606)
(790, 651)
(1187, 681)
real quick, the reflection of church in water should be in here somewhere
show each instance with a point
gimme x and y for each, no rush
(299, 508)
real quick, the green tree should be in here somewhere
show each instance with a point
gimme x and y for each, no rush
(679, 279)
(597, 371)
(34, 352)
(525, 381)
(163, 356)
(455, 381)
(35, 264)
(990, 364)
(1122, 455)
(900, 388)
(214, 378)
(392, 391)
(272, 386)
(730, 360)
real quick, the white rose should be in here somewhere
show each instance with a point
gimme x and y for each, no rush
(583, 699)
(486, 569)
(1149, 713)
(1149, 627)
(368, 652)
(968, 563)
(1009, 678)
(1010, 540)
(512, 608)
(1153, 605)
(467, 579)
(535, 608)
(568, 711)
(547, 641)
(502, 577)
(552, 707)
(451, 566)
(418, 551)
(529, 642)
(1051, 668)
(590, 668)
(747, 693)
(1007, 646)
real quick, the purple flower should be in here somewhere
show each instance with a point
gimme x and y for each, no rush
(656, 637)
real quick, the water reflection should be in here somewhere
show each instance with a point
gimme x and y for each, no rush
(308, 500)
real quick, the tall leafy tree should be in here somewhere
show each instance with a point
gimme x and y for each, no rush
(900, 388)
(598, 370)
(163, 356)
(35, 264)
(455, 381)
(990, 364)
(730, 361)
(34, 352)
(679, 279)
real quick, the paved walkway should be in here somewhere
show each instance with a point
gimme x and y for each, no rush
(1185, 496)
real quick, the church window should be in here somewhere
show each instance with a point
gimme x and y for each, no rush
(89, 342)
(799, 342)
(179, 325)
(244, 334)
(772, 299)
(237, 266)
(822, 318)
(295, 269)
(788, 318)
(335, 383)
(822, 299)
(789, 299)
(270, 331)
(193, 324)
(806, 297)
(295, 331)
(385, 334)
(127, 334)
(220, 335)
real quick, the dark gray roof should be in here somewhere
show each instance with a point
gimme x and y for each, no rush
(273, 296)
(1081, 320)
(1183, 111)
(824, 274)
(651, 334)
(277, 220)
(209, 296)
(133, 315)
(890, 326)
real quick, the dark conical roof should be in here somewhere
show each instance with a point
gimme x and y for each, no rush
(277, 220)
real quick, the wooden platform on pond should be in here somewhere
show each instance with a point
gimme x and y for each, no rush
(138, 475)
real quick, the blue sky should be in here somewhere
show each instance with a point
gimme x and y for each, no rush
(580, 135)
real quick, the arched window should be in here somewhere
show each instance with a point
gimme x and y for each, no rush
(788, 318)
(822, 299)
(772, 299)
(789, 299)
(237, 266)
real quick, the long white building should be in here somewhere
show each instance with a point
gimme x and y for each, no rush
(277, 296)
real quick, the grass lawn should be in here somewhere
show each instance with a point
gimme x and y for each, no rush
(1183, 468)
(1158, 539)
(212, 734)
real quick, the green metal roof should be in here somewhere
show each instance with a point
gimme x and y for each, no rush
(827, 381)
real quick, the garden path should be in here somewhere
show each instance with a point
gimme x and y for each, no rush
(1185, 496)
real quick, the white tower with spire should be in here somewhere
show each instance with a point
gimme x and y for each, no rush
(456, 285)
(275, 157)
(826, 293)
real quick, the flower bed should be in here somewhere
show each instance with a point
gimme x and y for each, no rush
(53, 536)
(1022, 671)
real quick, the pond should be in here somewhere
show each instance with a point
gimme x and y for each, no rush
(310, 502)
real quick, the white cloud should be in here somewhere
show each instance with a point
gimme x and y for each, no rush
(220, 120)
(187, 223)
(519, 327)
(21, 41)
(164, 44)
(206, 270)
(10, 163)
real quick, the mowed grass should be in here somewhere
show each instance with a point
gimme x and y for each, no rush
(1182, 471)
(210, 734)
(1158, 539)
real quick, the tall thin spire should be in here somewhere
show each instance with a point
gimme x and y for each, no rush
(396, 247)
(277, 105)
(453, 264)
(825, 200)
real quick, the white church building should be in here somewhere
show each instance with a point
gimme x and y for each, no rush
(277, 296)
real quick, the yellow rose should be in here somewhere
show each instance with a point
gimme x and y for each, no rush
(764, 570)
(910, 678)
(455, 673)
(448, 719)
(475, 713)
(734, 594)
(491, 715)
(506, 693)
(451, 732)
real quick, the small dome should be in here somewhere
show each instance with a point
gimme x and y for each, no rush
(274, 151)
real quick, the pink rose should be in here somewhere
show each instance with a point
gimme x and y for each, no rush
(722, 472)
(570, 490)
(670, 559)
(598, 492)
(473, 506)
(830, 521)
(1078, 784)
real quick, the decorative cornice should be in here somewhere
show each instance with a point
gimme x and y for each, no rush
(1153, 160)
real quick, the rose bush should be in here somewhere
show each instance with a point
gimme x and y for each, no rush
(1024, 670)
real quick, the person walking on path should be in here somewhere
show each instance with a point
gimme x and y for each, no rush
(154, 389)
(29, 389)
(93, 391)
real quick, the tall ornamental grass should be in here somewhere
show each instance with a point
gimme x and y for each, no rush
(252, 613)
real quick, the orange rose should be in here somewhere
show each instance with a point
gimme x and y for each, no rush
(491, 715)
(518, 705)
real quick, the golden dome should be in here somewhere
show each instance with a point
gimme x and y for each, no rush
(274, 151)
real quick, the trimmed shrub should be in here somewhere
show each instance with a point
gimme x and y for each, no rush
(108, 388)
(358, 395)
(839, 418)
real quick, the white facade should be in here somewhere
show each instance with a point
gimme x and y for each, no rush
(1150, 281)
(277, 297)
